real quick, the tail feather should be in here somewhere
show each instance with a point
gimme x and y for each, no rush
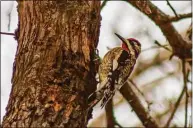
(107, 97)
(105, 91)
(97, 96)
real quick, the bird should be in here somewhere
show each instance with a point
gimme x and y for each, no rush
(115, 68)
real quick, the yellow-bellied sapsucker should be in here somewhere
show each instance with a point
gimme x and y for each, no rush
(115, 69)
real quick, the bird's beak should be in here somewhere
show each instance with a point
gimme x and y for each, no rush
(121, 38)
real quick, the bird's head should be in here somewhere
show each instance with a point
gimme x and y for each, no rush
(130, 44)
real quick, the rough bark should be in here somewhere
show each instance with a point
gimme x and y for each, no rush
(53, 71)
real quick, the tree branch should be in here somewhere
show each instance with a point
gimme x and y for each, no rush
(7, 33)
(129, 94)
(181, 47)
(155, 47)
(158, 60)
(180, 17)
(109, 114)
(168, 110)
(185, 76)
(9, 15)
(175, 108)
(103, 4)
(111, 120)
(140, 92)
(152, 84)
(166, 48)
(189, 33)
(168, 3)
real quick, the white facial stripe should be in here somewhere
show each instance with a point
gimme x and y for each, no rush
(129, 47)
(115, 65)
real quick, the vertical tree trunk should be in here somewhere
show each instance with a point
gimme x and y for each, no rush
(53, 70)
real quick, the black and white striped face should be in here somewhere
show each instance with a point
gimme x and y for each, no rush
(130, 44)
(136, 46)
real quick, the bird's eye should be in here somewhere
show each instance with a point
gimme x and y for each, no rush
(136, 42)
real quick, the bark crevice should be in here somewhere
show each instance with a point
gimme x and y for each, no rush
(53, 70)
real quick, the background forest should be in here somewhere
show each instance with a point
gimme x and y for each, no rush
(158, 81)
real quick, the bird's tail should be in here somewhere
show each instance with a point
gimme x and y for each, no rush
(107, 97)
(105, 93)
(97, 96)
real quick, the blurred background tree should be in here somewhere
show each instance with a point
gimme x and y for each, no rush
(162, 85)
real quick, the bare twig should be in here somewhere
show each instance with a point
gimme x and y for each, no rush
(180, 17)
(102, 115)
(158, 116)
(168, 110)
(186, 109)
(154, 47)
(136, 87)
(144, 66)
(9, 21)
(189, 33)
(136, 105)
(9, 15)
(175, 108)
(132, 83)
(189, 81)
(190, 122)
(147, 85)
(174, 11)
(166, 48)
(7, 33)
(185, 76)
(103, 4)
(181, 47)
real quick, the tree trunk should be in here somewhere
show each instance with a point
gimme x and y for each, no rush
(54, 71)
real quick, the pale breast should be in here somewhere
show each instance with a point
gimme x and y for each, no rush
(107, 63)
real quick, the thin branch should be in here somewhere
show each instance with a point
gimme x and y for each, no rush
(180, 17)
(186, 89)
(147, 85)
(174, 11)
(132, 82)
(166, 48)
(159, 116)
(186, 109)
(144, 66)
(189, 33)
(180, 46)
(154, 47)
(175, 108)
(132, 98)
(190, 121)
(101, 116)
(9, 21)
(103, 4)
(189, 81)
(168, 110)
(7, 33)
(136, 87)
(9, 15)
(118, 125)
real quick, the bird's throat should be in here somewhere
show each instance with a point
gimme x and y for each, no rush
(124, 47)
